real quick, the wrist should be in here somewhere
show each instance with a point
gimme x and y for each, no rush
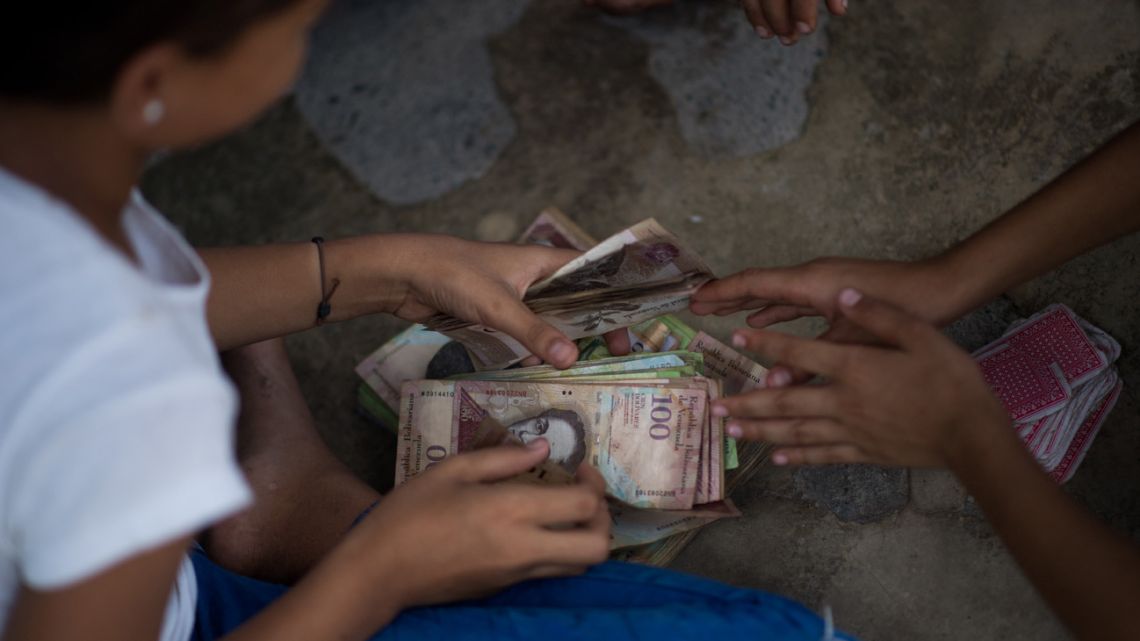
(368, 576)
(953, 283)
(980, 444)
(372, 273)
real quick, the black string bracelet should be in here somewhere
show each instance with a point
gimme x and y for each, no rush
(324, 308)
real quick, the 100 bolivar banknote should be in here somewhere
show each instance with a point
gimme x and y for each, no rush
(646, 440)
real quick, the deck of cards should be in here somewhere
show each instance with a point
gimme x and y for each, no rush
(1054, 373)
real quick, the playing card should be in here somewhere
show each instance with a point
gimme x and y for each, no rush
(1062, 427)
(1053, 373)
(1026, 431)
(1055, 335)
(1028, 388)
(1079, 446)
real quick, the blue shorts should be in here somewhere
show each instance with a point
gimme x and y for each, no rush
(611, 601)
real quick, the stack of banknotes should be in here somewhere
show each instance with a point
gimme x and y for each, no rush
(642, 420)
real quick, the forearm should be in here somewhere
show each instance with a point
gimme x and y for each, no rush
(1088, 573)
(272, 290)
(1093, 203)
(335, 602)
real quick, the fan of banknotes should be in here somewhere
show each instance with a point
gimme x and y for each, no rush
(642, 420)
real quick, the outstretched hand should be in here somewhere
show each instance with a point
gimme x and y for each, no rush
(916, 400)
(786, 293)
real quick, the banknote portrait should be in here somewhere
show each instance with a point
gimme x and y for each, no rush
(564, 430)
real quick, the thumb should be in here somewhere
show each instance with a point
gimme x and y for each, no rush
(512, 317)
(617, 342)
(544, 261)
(884, 321)
(498, 463)
(589, 476)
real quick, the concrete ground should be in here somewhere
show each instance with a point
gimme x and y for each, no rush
(892, 133)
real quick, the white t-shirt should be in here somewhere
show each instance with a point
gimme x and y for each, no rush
(116, 421)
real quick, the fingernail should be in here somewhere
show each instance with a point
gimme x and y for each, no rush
(779, 459)
(779, 378)
(803, 28)
(536, 445)
(845, 5)
(786, 41)
(719, 410)
(561, 351)
(734, 430)
(763, 32)
(849, 297)
(738, 340)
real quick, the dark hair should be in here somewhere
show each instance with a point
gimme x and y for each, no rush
(72, 53)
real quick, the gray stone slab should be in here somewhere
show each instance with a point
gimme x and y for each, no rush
(859, 493)
(735, 94)
(403, 93)
(936, 491)
(931, 578)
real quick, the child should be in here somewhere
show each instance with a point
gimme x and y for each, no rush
(115, 418)
(871, 410)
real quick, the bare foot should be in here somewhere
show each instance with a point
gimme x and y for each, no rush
(305, 499)
(626, 7)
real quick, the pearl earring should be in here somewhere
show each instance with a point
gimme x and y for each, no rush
(153, 111)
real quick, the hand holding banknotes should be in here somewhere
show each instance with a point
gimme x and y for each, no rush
(915, 400)
(483, 283)
(454, 533)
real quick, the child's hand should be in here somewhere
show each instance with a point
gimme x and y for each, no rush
(452, 533)
(918, 401)
(786, 293)
(788, 19)
(484, 283)
(625, 7)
